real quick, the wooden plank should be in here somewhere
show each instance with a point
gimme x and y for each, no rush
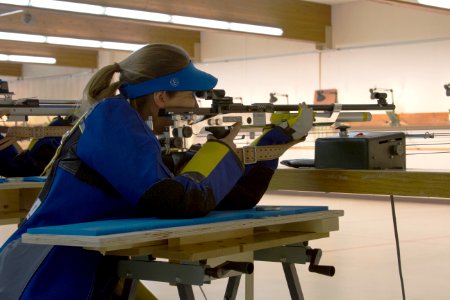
(10, 69)
(223, 247)
(27, 197)
(66, 24)
(11, 185)
(322, 225)
(209, 237)
(16, 198)
(127, 240)
(301, 20)
(266, 240)
(7, 221)
(9, 200)
(381, 182)
(65, 56)
(12, 217)
(199, 251)
(138, 249)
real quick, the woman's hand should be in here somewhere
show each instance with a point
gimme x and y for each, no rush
(297, 125)
(229, 139)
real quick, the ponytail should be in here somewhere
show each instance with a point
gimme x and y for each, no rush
(149, 62)
(100, 86)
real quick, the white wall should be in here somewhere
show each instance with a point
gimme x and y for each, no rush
(370, 23)
(378, 45)
(375, 46)
(252, 67)
(60, 87)
(415, 71)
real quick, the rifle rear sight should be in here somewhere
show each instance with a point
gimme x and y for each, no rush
(380, 97)
(220, 102)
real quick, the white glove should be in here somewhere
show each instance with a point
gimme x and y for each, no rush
(297, 125)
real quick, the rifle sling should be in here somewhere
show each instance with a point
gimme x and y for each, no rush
(252, 154)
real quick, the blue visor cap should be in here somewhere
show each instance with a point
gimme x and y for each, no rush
(187, 79)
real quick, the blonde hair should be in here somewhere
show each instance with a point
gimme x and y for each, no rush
(149, 62)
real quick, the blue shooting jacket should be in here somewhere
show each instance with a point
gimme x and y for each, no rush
(124, 161)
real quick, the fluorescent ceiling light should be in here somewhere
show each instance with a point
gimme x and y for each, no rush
(199, 22)
(11, 13)
(15, 2)
(256, 29)
(437, 3)
(33, 38)
(150, 16)
(68, 6)
(73, 42)
(28, 59)
(68, 41)
(136, 14)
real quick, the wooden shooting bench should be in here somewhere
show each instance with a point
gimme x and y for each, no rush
(192, 251)
(417, 183)
(196, 251)
(16, 198)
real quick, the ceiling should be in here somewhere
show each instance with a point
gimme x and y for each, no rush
(300, 20)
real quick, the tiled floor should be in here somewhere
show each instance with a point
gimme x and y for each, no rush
(363, 252)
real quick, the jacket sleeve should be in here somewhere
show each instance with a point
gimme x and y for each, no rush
(30, 162)
(250, 188)
(7, 155)
(117, 144)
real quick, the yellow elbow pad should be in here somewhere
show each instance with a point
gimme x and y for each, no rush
(207, 158)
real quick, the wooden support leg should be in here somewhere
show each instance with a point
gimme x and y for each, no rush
(292, 280)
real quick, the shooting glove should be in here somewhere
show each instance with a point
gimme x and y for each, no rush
(297, 126)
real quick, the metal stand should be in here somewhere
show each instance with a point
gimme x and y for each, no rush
(292, 281)
(185, 275)
(185, 291)
(232, 288)
(129, 289)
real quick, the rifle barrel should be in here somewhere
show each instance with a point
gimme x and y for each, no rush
(330, 107)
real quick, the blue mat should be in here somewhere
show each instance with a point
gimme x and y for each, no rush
(24, 179)
(35, 179)
(140, 224)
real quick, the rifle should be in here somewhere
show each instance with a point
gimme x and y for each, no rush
(223, 113)
(21, 109)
